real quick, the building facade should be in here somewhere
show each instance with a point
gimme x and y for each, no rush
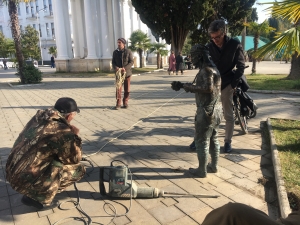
(85, 32)
(38, 14)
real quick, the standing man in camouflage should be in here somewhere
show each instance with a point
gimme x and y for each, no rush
(122, 62)
(207, 89)
(45, 158)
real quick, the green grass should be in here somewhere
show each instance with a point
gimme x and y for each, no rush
(96, 74)
(272, 82)
(287, 133)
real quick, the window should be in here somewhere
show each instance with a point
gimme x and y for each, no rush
(27, 9)
(52, 29)
(50, 7)
(34, 26)
(48, 29)
(36, 5)
(1, 29)
(21, 27)
(32, 8)
(40, 31)
(19, 10)
(45, 5)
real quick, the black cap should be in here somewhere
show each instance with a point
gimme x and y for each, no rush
(66, 105)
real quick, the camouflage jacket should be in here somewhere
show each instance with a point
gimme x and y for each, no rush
(47, 137)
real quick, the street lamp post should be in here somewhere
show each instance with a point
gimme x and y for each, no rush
(40, 28)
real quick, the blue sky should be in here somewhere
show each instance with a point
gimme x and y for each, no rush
(262, 15)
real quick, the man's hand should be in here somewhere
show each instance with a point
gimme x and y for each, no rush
(116, 69)
(123, 70)
(74, 129)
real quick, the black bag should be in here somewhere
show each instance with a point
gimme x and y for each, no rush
(247, 104)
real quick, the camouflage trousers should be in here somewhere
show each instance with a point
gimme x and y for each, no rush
(206, 138)
(55, 179)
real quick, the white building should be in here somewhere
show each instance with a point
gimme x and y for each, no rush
(38, 14)
(84, 31)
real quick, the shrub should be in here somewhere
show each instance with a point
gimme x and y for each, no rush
(32, 75)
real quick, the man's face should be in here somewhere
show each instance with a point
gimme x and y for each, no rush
(218, 38)
(120, 45)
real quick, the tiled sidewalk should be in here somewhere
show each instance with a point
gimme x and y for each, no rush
(151, 136)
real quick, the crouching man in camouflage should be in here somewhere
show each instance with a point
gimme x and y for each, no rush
(45, 158)
(207, 89)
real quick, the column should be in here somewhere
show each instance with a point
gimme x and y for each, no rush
(75, 29)
(62, 43)
(90, 38)
(106, 38)
(126, 20)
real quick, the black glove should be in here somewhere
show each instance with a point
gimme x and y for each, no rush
(176, 85)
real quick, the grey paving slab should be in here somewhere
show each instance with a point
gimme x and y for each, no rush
(152, 137)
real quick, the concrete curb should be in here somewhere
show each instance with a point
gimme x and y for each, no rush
(284, 205)
(25, 85)
(273, 92)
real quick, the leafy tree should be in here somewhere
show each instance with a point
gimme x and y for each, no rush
(160, 50)
(30, 43)
(232, 11)
(280, 25)
(287, 44)
(253, 16)
(139, 42)
(6, 47)
(52, 50)
(258, 29)
(172, 20)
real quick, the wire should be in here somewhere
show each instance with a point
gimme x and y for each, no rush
(78, 207)
(115, 215)
(77, 203)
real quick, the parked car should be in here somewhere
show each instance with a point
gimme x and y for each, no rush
(9, 64)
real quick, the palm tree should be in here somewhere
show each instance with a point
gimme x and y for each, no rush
(257, 30)
(139, 43)
(16, 33)
(288, 43)
(52, 50)
(159, 50)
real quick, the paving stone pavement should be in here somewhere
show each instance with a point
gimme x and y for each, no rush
(152, 137)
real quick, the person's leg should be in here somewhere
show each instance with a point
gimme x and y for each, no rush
(126, 91)
(226, 98)
(118, 96)
(71, 174)
(237, 214)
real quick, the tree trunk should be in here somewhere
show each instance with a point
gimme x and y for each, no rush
(255, 40)
(178, 37)
(158, 60)
(295, 67)
(15, 29)
(141, 57)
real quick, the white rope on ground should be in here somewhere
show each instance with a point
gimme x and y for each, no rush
(134, 125)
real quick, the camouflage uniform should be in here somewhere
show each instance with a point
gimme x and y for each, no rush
(209, 110)
(45, 157)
